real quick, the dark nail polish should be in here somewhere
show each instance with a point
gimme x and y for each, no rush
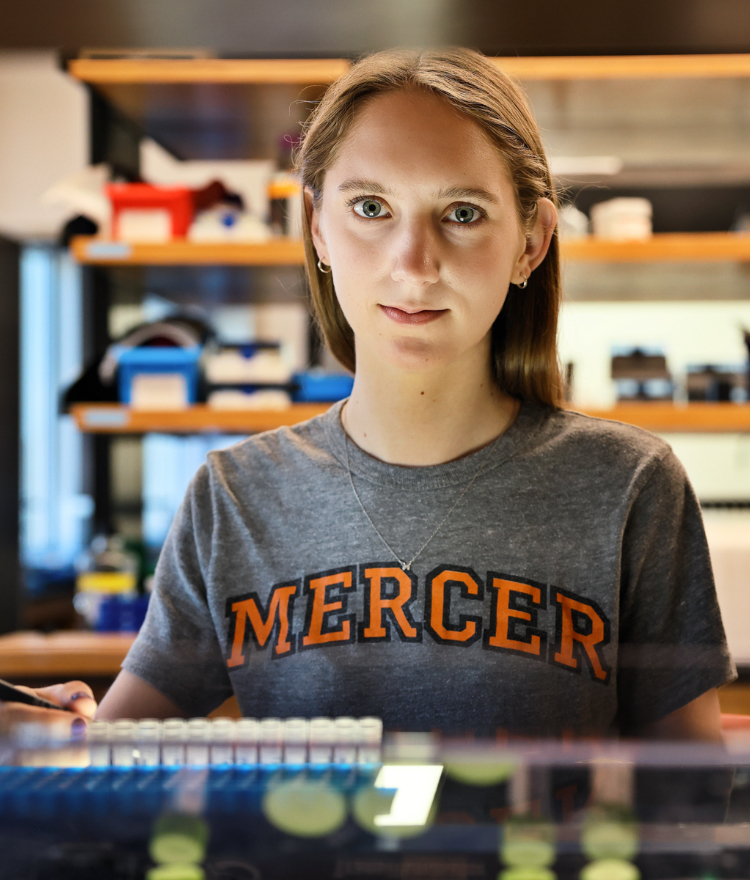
(78, 728)
(79, 695)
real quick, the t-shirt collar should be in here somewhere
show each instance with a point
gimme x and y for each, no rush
(439, 476)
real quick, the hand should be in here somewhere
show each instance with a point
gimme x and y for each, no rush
(74, 695)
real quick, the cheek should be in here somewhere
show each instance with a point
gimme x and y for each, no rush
(357, 269)
(485, 278)
(349, 293)
(356, 255)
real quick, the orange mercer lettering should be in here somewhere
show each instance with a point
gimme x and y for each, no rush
(323, 589)
(250, 610)
(438, 601)
(379, 605)
(581, 626)
(506, 614)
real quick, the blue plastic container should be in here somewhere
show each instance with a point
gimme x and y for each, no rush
(137, 361)
(122, 613)
(319, 387)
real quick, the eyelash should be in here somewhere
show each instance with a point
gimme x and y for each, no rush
(357, 199)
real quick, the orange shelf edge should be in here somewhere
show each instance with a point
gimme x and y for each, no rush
(126, 71)
(701, 418)
(274, 252)
(662, 247)
(626, 67)
(116, 419)
(66, 653)
(261, 71)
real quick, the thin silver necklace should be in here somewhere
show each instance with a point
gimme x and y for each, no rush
(406, 566)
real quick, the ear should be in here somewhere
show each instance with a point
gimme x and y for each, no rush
(537, 240)
(313, 218)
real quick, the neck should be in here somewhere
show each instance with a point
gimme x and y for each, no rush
(421, 419)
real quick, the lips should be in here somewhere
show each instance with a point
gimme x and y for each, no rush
(412, 318)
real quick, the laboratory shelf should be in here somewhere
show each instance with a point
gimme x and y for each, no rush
(116, 419)
(627, 67)
(662, 247)
(256, 71)
(688, 418)
(101, 418)
(65, 653)
(202, 108)
(688, 247)
(181, 252)
(123, 71)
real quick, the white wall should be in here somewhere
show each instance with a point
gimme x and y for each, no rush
(707, 332)
(693, 332)
(43, 137)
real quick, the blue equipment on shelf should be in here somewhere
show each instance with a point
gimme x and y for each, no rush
(315, 386)
(133, 362)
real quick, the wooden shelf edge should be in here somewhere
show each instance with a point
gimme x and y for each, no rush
(116, 419)
(700, 418)
(261, 71)
(65, 653)
(626, 67)
(91, 250)
(662, 247)
(112, 71)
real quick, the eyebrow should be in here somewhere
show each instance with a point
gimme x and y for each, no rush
(454, 192)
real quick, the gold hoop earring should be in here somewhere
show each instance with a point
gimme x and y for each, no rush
(524, 284)
(322, 269)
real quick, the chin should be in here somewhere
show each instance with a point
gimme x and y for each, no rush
(416, 355)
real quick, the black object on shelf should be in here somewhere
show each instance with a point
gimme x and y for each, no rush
(711, 382)
(97, 383)
(640, 374)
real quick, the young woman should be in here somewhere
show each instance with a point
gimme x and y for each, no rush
(448, 548)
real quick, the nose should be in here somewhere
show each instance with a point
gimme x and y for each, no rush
(416, 258)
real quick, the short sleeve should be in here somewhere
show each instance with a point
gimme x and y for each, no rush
(672, 643)
(177, 650)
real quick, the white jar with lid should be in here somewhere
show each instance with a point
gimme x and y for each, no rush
(623, 219)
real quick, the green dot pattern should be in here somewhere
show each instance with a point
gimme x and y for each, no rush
(527, 873)
(178, 839)
(610, 869)
(610, 840)
(305, 808)
(479, 772)
(176, 872)
(528, 843)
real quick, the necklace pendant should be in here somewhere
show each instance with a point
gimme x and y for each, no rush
(406, 566)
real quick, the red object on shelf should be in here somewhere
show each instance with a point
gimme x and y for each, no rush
(735, 722)
(177, 200)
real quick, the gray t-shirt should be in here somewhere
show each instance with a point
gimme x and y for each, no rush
(569, 590)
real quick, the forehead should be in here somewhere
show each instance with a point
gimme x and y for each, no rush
(414, 136)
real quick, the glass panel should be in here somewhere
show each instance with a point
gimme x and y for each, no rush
(54, 510)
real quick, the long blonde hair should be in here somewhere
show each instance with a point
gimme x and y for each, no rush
(524, 335)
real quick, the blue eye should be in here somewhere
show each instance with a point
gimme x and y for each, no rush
(368, 208)
(464, 214)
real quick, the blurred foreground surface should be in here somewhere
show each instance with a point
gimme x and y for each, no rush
(215, 802)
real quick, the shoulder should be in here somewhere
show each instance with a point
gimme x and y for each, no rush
(283, 451)
(607, 435)
(602, 447)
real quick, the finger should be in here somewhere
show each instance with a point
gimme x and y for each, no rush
(61, 725)
(74, 695)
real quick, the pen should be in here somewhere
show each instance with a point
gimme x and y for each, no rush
(12, 694)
